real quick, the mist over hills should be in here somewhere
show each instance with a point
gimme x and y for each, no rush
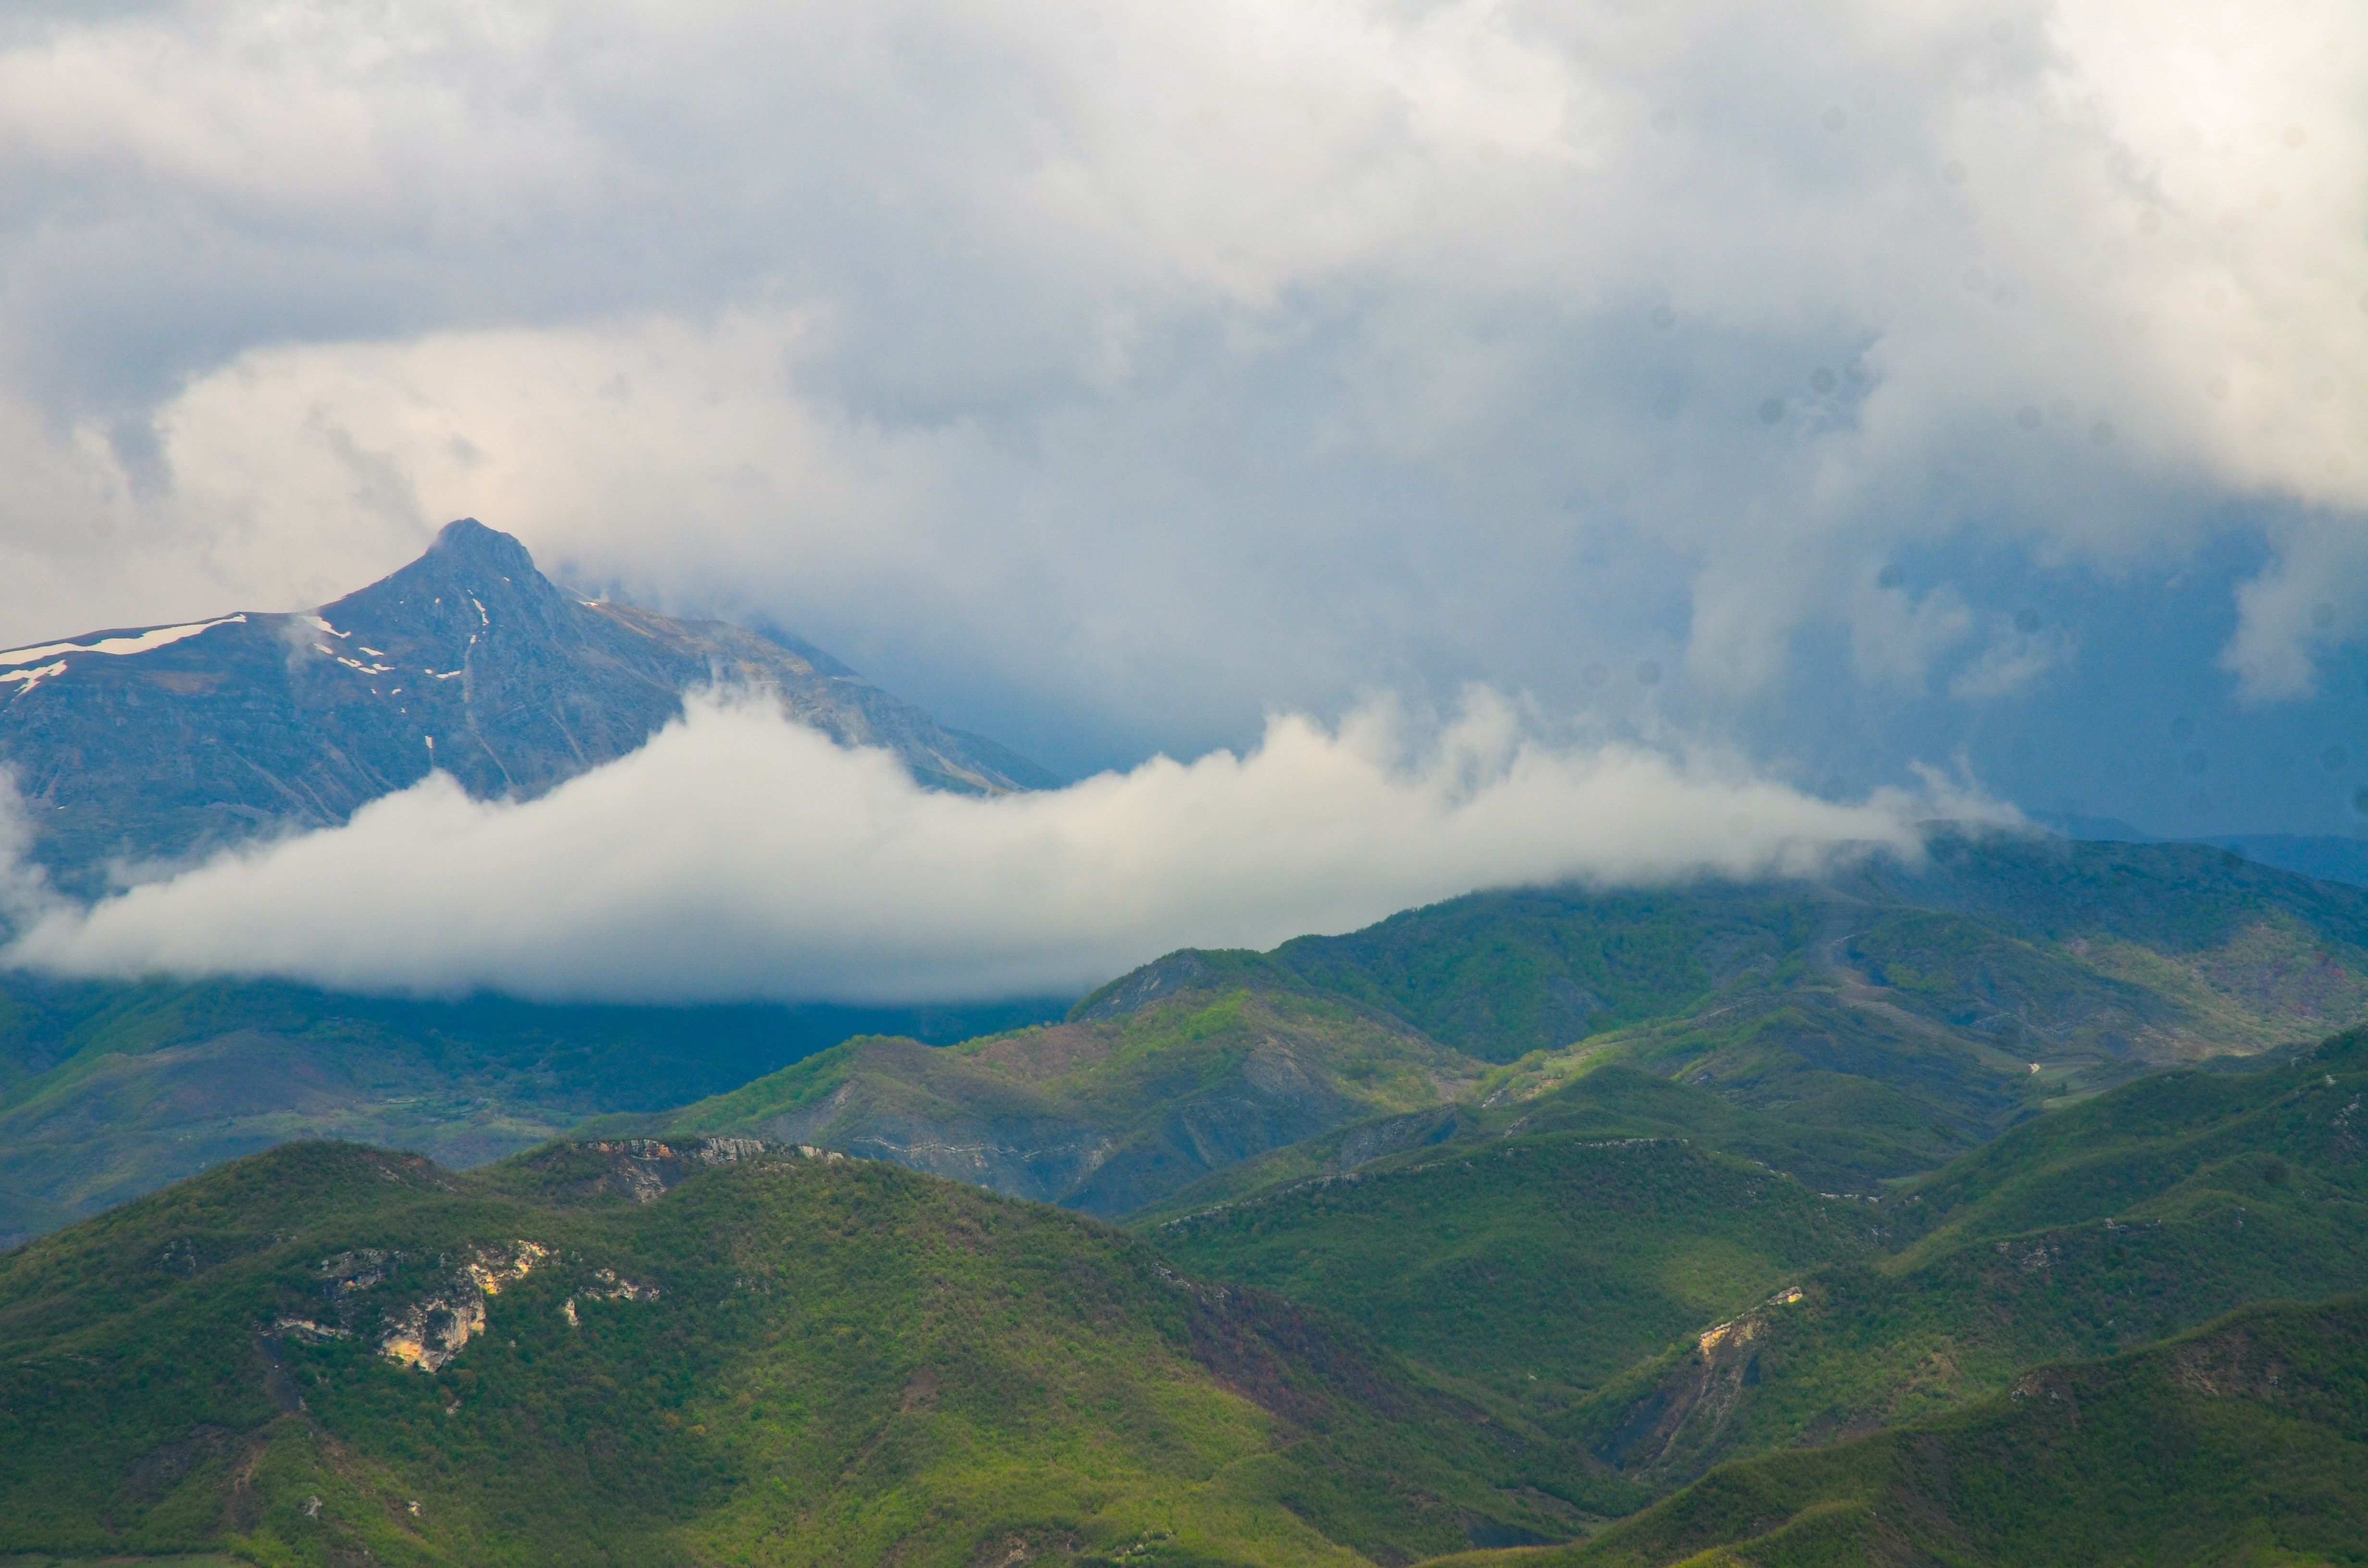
(1703, 900)
(1486, 1226)
(1729, 1200)
(1908, 1013)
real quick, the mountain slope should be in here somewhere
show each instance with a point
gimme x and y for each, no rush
(1595, 1260)
(1101, 1114)
(110, 1090)
(720, 1353)
(2328, 857)
(2324, 856)
(164, 742)
(1876, 1024)
(2148, 952)
(1535, 1267)
(2246, 1442)
(2137, 1214)
(1610, 1101)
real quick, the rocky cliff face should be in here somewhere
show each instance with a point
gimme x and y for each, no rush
(164, 742)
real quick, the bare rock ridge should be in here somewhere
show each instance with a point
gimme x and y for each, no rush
(162, 743)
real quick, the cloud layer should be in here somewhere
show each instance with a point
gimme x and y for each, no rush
(739, 856)
(1119, 371)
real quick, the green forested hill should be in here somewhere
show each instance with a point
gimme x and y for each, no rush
(720, 1352)
(1536, 1266)
(1609, 1100)
(2147, 1142)
(1524, 1297)
(715, 1354)
(1881, 1023)
(2090, 952)
(1104, 1115)
(2136, 1215)
(1540, 1261)
(2243, 1443)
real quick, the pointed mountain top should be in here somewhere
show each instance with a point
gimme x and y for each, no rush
(470, 571)
(472, 540)
(467, 659)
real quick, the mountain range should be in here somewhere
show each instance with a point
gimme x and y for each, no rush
(152, 746)
(727, 1351)
(1907, 1013)
(2005, 1202)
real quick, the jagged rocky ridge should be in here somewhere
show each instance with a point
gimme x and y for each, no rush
(163, 743)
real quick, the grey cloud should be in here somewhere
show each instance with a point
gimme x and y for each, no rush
(1164, 364)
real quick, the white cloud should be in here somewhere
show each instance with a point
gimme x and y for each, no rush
(2314, 596)
(1167, 361)
(740, 855)
(1896, 637)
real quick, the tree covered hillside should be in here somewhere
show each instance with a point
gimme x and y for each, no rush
(2243, 1443)
(718, 1354)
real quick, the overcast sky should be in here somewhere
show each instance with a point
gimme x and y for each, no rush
(1841, 386)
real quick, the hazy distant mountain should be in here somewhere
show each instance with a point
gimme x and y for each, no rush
(112, 1088)
(2324, 856)
(2329, 856)
(165, 741)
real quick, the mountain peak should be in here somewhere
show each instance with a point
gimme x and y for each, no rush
(467, 659)
(469, 571)
(471, 541)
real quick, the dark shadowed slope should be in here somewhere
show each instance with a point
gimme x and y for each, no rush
(163, 743)
(108, 1090)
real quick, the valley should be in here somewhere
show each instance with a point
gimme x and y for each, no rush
(1501, 1335)
(108, 1090)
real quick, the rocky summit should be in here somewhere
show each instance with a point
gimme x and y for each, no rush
(155, 744)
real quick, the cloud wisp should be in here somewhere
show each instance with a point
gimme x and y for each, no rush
(739, 856)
